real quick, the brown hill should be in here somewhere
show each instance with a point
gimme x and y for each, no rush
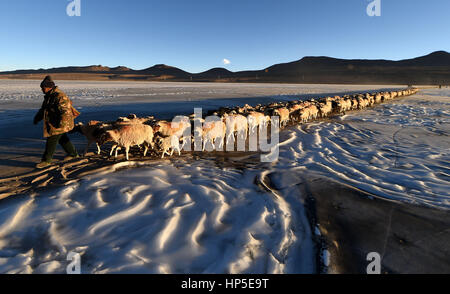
(430, 69)
(433, 68)
(217, 73)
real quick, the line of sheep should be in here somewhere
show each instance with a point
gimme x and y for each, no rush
(166, 137)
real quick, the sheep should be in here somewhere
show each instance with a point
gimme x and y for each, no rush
(355, 103)
(366, 101)
(306, 103)
(362, 103)
(378, 98)
(260, 107)
(370, 99)
(92, 131)
(302, 115)
(337, 98)
(341, 106)
(388, 96)
(325, 108)
(283, 113)
(130, 119)
(313, 111)
(213, 130)
(235, 123)
(129, 135)
(349, 103)
(246, 108)
(294, 106)
(168, 143)
(256, 119)
(325, 99)
(175, 128)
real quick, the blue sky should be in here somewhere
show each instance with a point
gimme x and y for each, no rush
(197, 35)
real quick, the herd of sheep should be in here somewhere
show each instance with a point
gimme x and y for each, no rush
(166, 137)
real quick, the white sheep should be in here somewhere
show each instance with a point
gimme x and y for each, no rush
(304, 114)
(174, 128)
(129, 135)
(325, 108)
(235, 124)
(313, 111)
(168, 143)
(255, 119)
(378, 98)
(212, 131)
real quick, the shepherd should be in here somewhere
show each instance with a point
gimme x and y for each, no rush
(58, 115)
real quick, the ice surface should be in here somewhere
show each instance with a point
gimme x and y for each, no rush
(89, 93)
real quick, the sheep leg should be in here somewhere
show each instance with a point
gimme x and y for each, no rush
(112, 149)
(127, 149)
(98, 148)
(229, 136)
(145, 149)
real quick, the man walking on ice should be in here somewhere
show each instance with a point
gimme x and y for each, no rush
(58, 115)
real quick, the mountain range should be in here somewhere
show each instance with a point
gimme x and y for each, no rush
(431, 69)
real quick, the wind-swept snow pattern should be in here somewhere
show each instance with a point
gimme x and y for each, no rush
(160, 218)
